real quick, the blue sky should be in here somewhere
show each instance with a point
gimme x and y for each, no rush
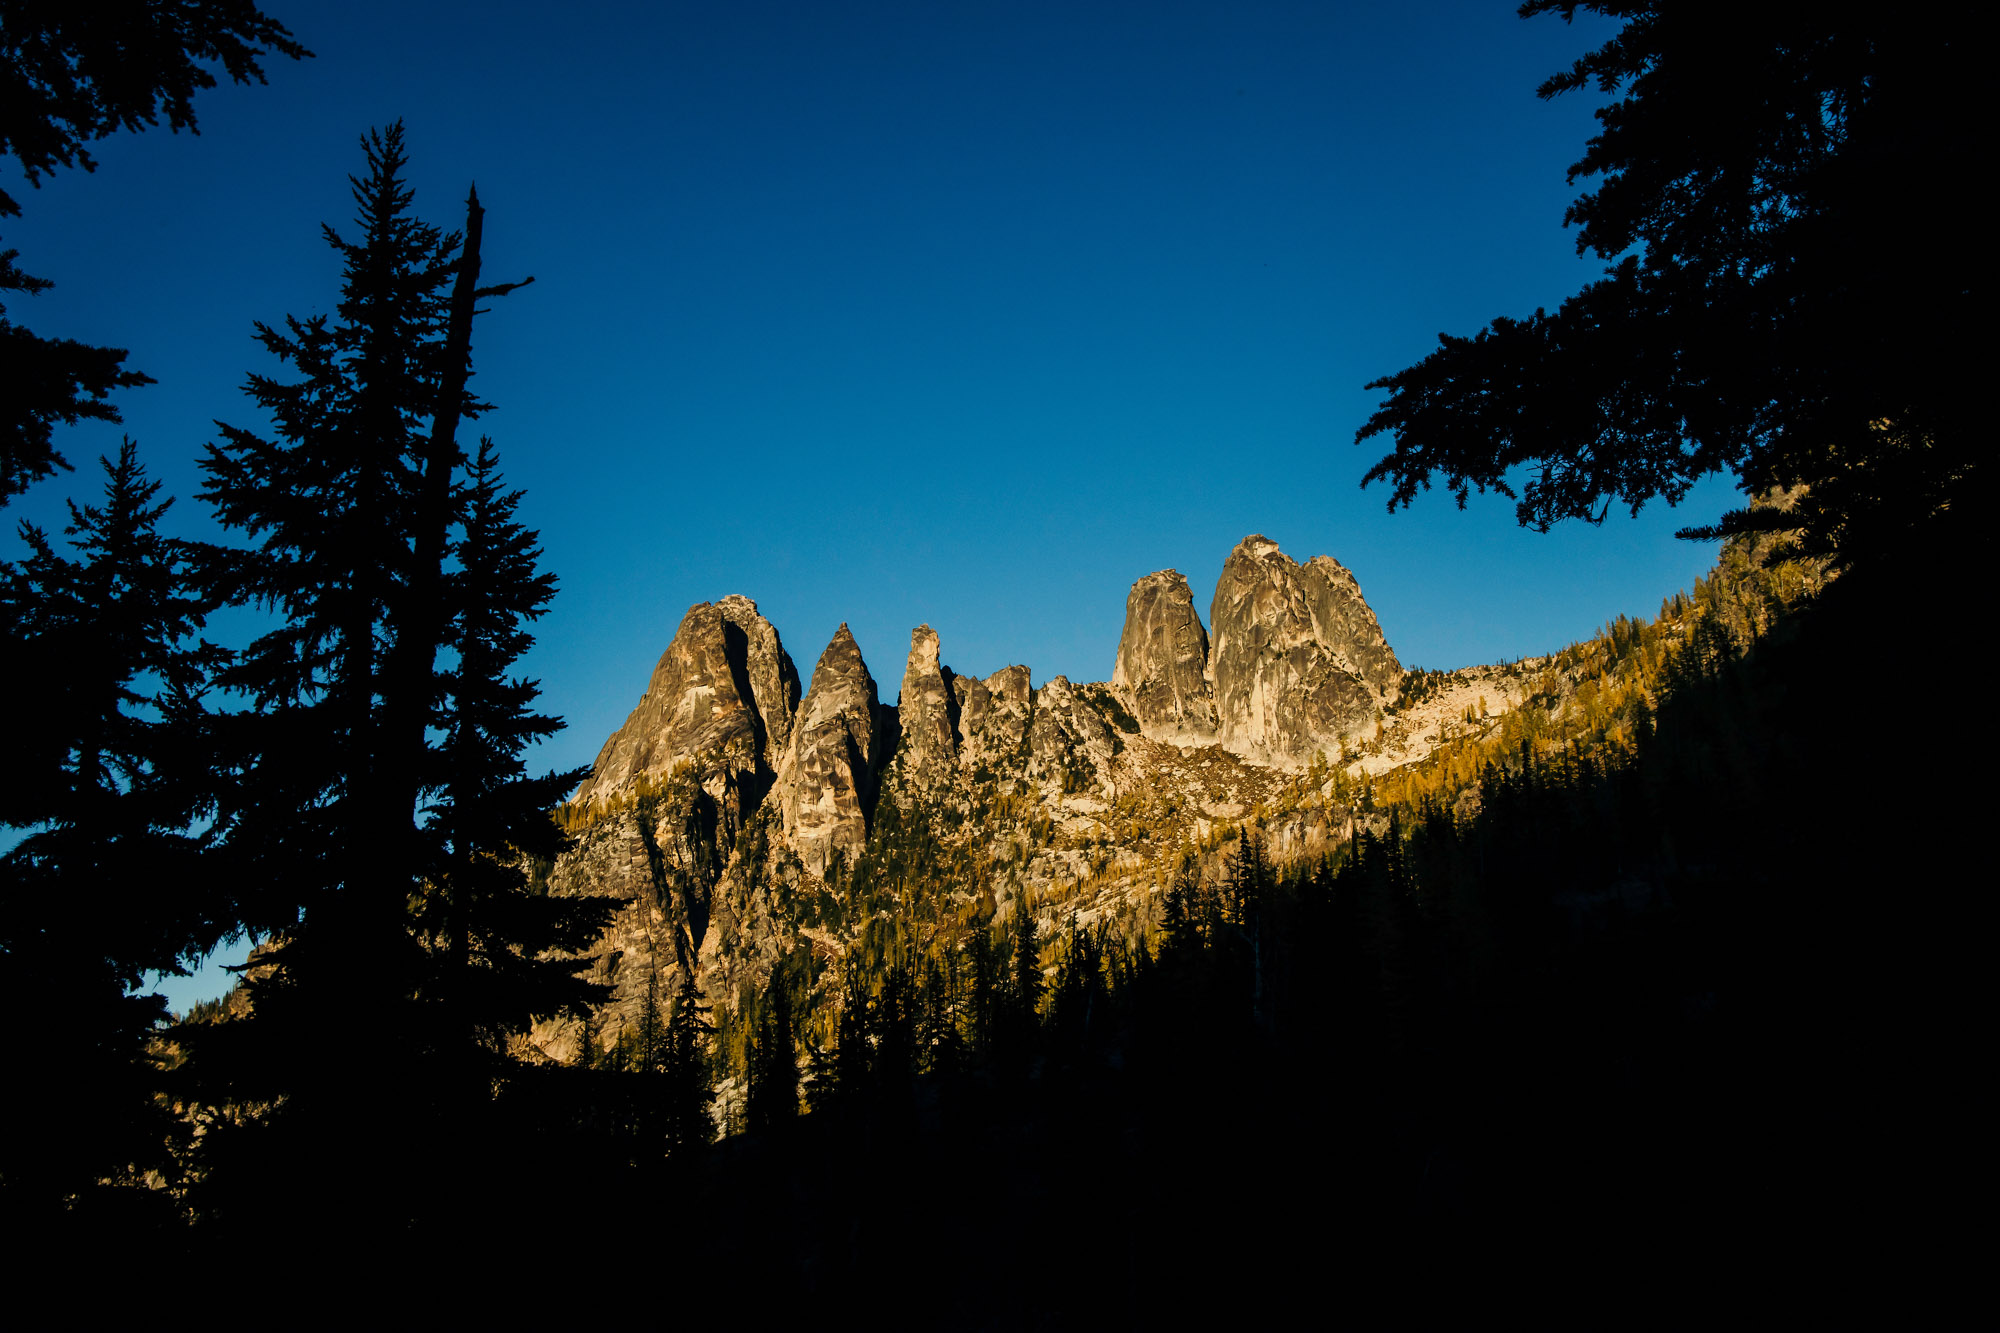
(961, 313)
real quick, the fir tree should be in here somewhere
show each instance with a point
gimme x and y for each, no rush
(690, 1085)
(1027, 988)
(852, 1051)
(652, 1026)
(500, 953)
(895, 1035)
(427, 935)
(107, 777)
(1180, 914)
(939, 1039)
(774, 1071)
(1078, 997)
(983, 1004)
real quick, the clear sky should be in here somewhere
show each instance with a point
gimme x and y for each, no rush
(957, 312)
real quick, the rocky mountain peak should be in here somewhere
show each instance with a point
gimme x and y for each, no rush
(1297, 659)
(766, 668)
(828, 778)
(928, 709)
(720, 699)
(727, 800)
(1162, 667)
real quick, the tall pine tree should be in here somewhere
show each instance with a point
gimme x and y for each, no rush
(690, 1086)
(106, 779)
(380, 816)
(774, 1072)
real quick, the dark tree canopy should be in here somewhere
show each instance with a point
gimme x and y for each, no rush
(71, 73)
(1784, 208)
(45, 381)
(104, 790)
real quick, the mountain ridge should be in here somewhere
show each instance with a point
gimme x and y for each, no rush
(733, 815)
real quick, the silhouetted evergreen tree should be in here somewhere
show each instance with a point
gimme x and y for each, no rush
(940, 1042)
(106, 776)
(1078, 999)
(499, 950)
(652, 1026)
(1181, 910)
(845, 1077)
(1772, 306)
(774, 1070)
(1245, 890)
(1026, 992)
(379, 566)
(983, 1004)
(690, 1085)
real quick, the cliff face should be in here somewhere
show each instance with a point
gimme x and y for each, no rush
(719, 705)
(827, 779)
(1162, 667)
(1298, 662)
(759, 661)
(928, 713)
(1002, 728)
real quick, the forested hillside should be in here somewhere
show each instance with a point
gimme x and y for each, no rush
(927, 918)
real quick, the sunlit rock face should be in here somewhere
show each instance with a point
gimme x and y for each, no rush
(718, 814)
(928, 712)
(827, 779)
(1162, 668)
(975, 709)
(765, 666)
(993, 717)
(720, 702)
(1297, 660)
(1069, 745)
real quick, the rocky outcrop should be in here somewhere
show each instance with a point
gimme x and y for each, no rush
(828, 776)
(1069, 745)
(1297, 661)
(766, 668)
(993, 717)
(1345, 623)
(1162, 668)
(928, 711)
(975, 708)
(720, 702)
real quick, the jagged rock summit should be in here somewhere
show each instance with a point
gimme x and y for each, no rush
(1297, 664)
(1297, 659)
(928, 711)
(827, 780)
(736, 822)
(720, 701)
(1162, 667)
